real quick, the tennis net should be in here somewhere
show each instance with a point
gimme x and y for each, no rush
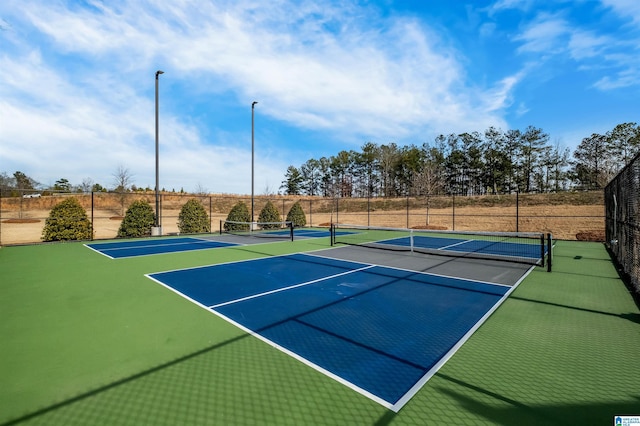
(521, 247)
(281, 230)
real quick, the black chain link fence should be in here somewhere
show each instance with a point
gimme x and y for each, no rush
(622, 203)
(566, 215)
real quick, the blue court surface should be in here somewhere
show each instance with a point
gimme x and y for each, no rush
(381, 331)
(146, 247)
(310, 233)
(502, 248)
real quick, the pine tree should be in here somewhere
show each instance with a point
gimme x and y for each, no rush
(296, 215)
(238, 213)
(67, 221)
(138, 220)
(193, 218)
(270, 214)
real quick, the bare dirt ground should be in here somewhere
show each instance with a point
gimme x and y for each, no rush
(567, 222)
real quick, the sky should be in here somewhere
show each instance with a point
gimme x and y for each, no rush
(77, 81)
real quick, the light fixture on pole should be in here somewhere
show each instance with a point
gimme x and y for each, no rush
(253, 104)
(158, 221)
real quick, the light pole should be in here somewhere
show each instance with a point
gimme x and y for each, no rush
(158, 221)
(253, 104)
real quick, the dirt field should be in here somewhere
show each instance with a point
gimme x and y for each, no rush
(567, 222)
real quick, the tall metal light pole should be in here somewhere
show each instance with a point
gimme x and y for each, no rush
(253, 104)
(158, 221)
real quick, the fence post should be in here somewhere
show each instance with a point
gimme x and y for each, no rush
(369, 210)
(310, 212)
(453, 204)
(210, 215)
(407, 212)
(549, 251)
(517, 211)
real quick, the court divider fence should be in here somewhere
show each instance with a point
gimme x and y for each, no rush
(22, 217)
(622, 202)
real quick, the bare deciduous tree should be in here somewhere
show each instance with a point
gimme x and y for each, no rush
(123, 179)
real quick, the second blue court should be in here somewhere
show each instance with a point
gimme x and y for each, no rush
(122, 249)
(380, 330)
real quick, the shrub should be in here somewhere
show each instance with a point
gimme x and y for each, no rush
(296, 215)
(193, 218)
(138, 220)
(67, 221)
(238, 213)
(270, 213)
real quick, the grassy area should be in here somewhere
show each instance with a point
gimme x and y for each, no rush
(87, 340)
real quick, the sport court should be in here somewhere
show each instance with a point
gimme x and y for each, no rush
(148, 247)
(380, 323)
(89, 339)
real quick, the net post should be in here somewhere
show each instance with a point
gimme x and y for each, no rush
(221, 227)
(549, 251)
(411, 239)
(542, 249)
(332, 235)
(290, 225)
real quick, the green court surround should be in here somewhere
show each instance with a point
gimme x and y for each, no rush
(86, 340)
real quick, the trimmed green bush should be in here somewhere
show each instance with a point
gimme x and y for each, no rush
(270, 213)
(67, 221)
(193, 218)
(238, 213)
(138, 220)
(296, 215)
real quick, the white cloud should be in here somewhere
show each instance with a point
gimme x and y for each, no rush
(587, 44)
(500, 96)
(560, 35)
(77, 94)
(502, 5)
(625, 78)
(625, 8)
(546, 34)
(55, 130)
(392, 73)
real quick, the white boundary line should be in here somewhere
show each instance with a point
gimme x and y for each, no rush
(98, 251)
(224, 263)
(227, 245)
(411, 392)
(416, 272)
(453, 245)
(305, 361)
(292, 354)
(449, 248)
(278, 290)
(168, 243)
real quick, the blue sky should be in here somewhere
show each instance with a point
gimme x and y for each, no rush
(77, 84)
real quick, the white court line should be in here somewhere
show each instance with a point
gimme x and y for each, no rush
(431, 274)
(98, 251)
(395, 407)
(443, 360)
(453, 245)
(242, 299)
(167, 244)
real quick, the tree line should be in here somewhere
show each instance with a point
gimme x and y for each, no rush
(19, 184)
(492, 162)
